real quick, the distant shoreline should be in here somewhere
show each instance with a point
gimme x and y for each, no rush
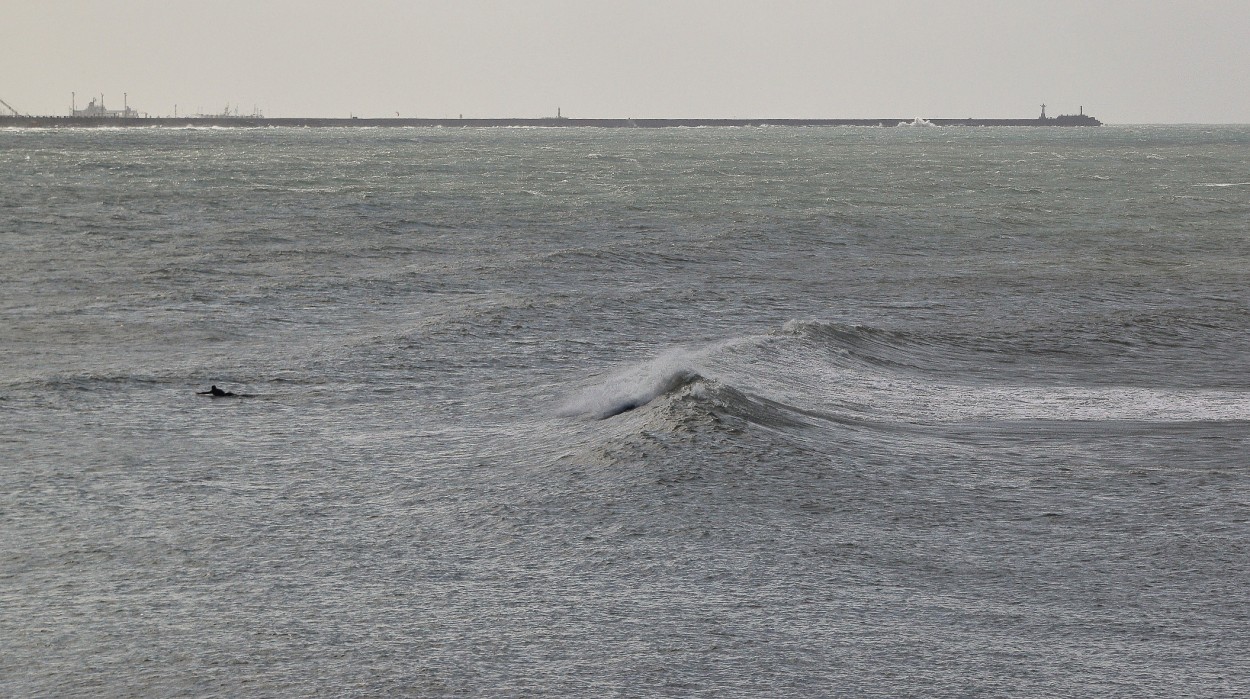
(552, 122)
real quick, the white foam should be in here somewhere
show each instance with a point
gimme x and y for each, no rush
(1088, 404)
(632, 386)
(913, 401)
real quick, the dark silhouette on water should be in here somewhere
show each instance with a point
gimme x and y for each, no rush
(216, 393)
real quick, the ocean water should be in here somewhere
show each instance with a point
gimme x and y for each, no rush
(573, 412)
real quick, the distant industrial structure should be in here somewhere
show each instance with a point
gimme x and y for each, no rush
(95, 109)
(98, 110)
(97, 114)
(228, 113)
(11, 109)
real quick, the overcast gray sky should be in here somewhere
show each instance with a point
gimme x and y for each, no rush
(1124, 61)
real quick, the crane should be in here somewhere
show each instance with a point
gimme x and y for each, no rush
(11, 109)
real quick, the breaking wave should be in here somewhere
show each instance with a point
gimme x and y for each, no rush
(633, 386)
(818, 373)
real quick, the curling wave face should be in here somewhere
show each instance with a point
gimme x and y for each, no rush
(633, 387)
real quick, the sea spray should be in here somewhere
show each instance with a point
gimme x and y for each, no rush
(633, 386)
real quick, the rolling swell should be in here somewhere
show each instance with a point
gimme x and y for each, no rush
(781, 380)
(688, 386)
(813, 374)
(789, 378)
(934, 379)
(867, 345)
(1164, 346)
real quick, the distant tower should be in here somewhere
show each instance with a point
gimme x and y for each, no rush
(1043, 116)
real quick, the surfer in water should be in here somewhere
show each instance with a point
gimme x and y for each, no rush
(215, 392)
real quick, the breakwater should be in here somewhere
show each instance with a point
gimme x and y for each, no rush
(261, 122)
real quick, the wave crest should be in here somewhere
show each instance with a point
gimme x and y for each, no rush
(632, 387)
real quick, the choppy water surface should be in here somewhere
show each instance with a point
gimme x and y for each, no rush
(575, 412)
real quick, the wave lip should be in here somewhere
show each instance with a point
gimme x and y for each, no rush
(632, 387)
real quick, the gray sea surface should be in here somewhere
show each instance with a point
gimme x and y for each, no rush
(723, 412)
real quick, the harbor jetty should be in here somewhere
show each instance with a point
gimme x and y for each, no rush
(246, 122)
(95, 116)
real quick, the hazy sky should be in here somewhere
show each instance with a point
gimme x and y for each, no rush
(1125, 61)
